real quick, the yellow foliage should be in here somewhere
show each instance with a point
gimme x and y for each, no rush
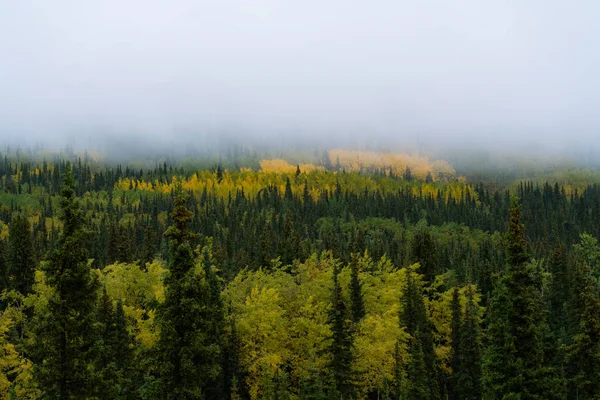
(3, 231)
(15, 370)
(137, 288)
(283, 167)
(352, 160)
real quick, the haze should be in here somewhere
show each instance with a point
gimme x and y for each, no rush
(512, 72)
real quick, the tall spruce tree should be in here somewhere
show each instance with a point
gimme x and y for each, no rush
(215, 328)
(455, 337)
(341, 364)
(356, 295)
(21, 255)
(583, 355)
(413, 319)
(513, 364)
(187, 360)
(424, 252)
(63, 345)
(467, 376)
(115, 352)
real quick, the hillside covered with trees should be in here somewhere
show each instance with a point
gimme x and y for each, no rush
(347, 276)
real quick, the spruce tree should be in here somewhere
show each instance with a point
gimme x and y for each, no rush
(187, 361)
(424, 252)
(583, 355)
(356, 295)
(215, 327)
(467, 377)
(417, 374)
(21, 256)
(413, 319)
(64, 337)
(341, 346)
(514, 361)
(455, 337)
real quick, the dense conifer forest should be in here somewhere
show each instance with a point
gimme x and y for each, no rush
(339, 275)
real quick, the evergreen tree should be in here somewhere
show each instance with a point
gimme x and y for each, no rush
(560, 289)
(149, 249)
(415, 322)
(187, 360)
(356, 295)
(64, 335)
(4, 283)
(583, 355)
(21, 256)
(114, 351)
(215, 327)
(513, 365)
(341, 346)
(417, 373)
(424, 252)
(467, 376)
(455, 337)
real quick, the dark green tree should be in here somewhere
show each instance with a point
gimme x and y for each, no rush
(417, 375)
(583, 355)
(455, 337)
(356, 295)
(413, 319)
(341, 364)
(187, 361)
(424, 252)
(467, 376)
(21, 255)
(514, 365)
(115, 353)
(64, 335)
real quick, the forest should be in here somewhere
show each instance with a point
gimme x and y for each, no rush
(339, 275)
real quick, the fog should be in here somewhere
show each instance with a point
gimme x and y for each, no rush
(510, 74)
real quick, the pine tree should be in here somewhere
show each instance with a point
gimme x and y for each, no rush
(455, 337)
(21, 256)
(356, 295)
(424, 252)
(4, 282)
(560, 289)
(64, 335)
(415, 322)
(583, 355)
(148, 246)
(513, 363)
(187, 360)
(215, 327)
(417, 374)
(468, 373)
(341, 346)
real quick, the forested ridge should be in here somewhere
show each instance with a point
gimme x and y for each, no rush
(331, 279)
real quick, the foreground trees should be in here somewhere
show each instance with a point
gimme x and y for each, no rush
(514, 364)
(297, 286)
(63, 350)
(188, 351)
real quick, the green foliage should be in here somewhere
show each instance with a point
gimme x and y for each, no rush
(188, 361)
(256, 311)
(341, 348)
(20, 258)
(514, 363)
(583, 355)
(63, 347)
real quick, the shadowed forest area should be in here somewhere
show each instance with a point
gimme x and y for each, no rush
(343, 275)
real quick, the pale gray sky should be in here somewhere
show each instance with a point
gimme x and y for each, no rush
(495, 70)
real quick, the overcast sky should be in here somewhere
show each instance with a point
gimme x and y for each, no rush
(493, 70)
